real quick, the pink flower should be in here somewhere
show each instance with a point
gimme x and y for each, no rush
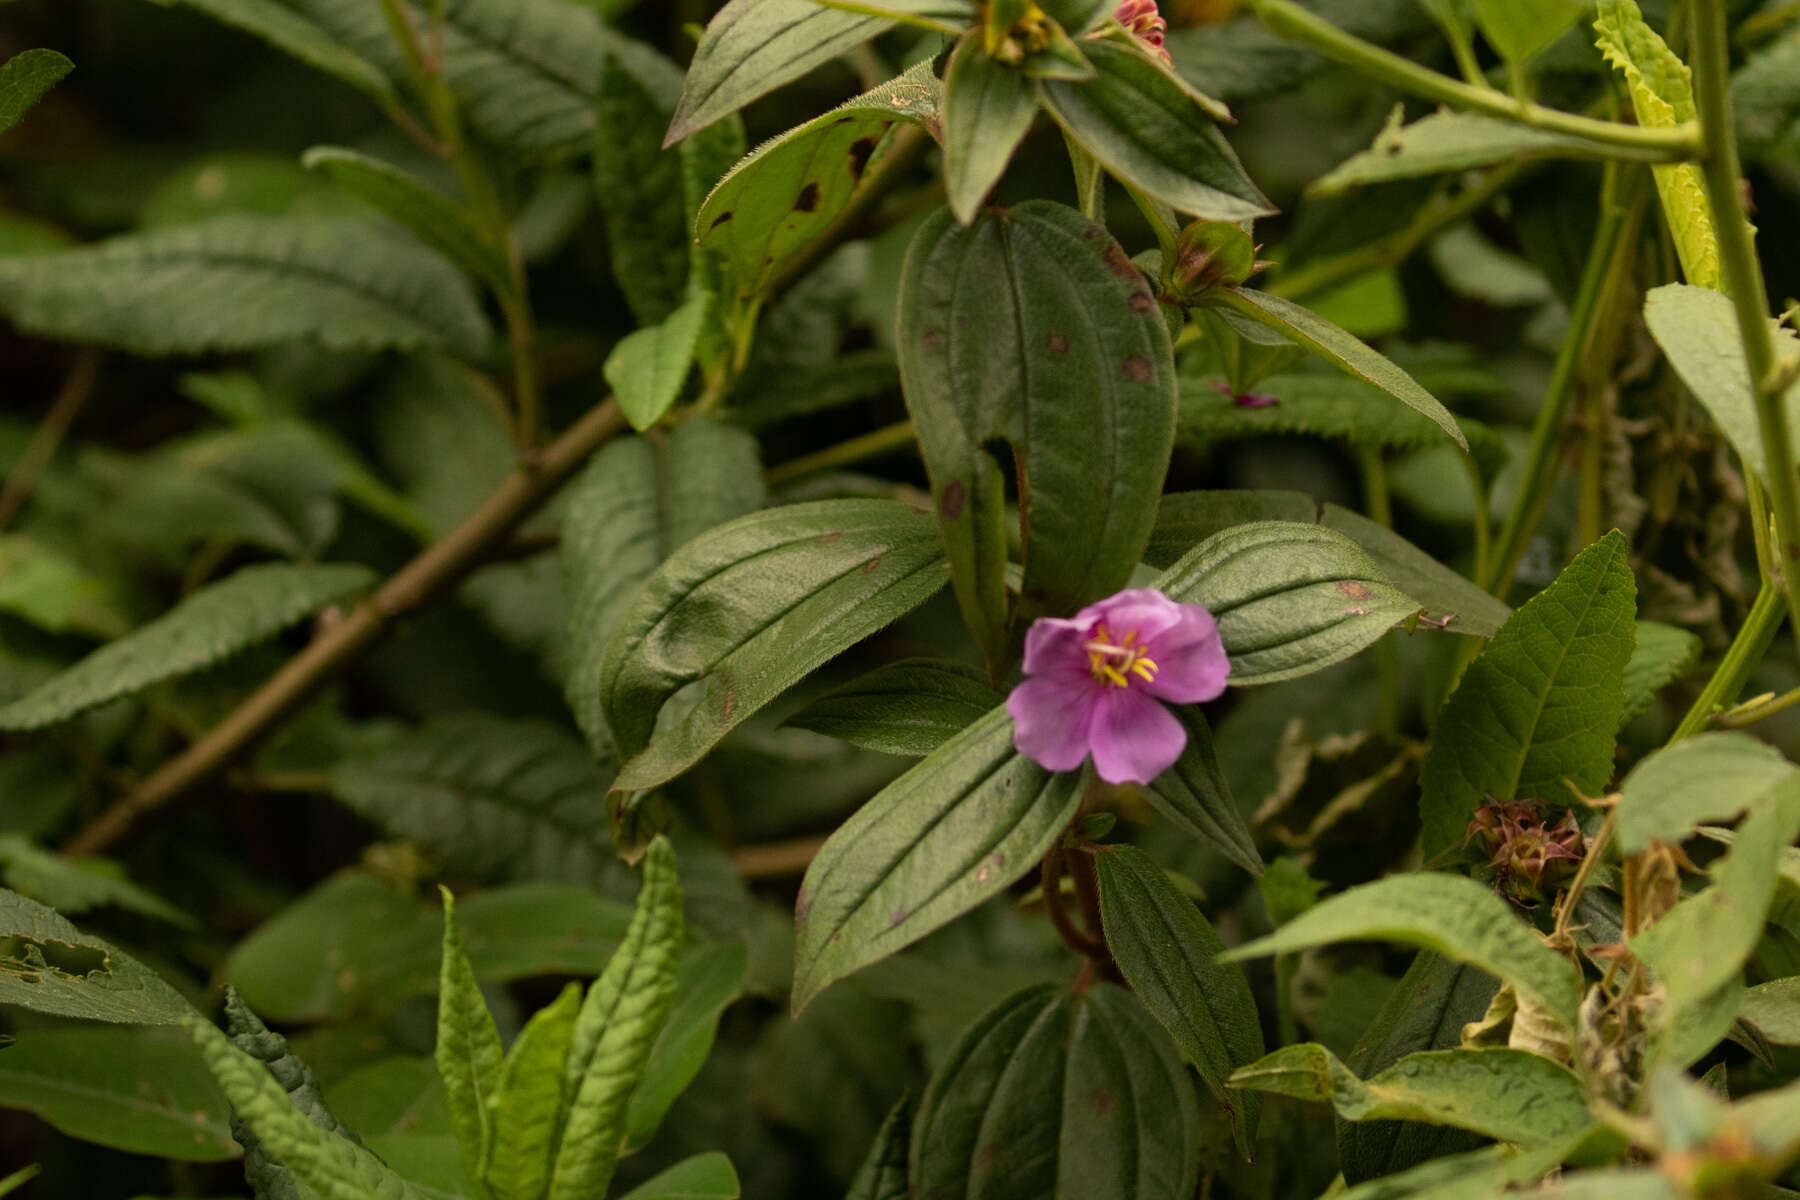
(1096, 682)
(1142, 21)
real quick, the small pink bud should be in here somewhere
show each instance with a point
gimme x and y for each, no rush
(1144, 22)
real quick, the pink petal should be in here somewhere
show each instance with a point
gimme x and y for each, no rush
(1143, 611)
(1135, 739)
(1052, 718)
(1190, 659)
(1056, 645)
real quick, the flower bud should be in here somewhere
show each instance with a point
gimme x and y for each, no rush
(1210, 254)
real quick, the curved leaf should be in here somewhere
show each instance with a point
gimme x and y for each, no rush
(1169, 955)
(882, 1175)
(1290, 599)
(746, 610)
(24, 78)
(988, 110)
(958, 828)
(215, 622)
(47, 965)
(1156, 133)
(1195, 795)
(1541, 704)
(1443, 142)
(262, 1171)
(712, 976)
(1702, 780)
(243, 283)
(292, 29)
(648, 367)
(1450, 914)
(910, 707)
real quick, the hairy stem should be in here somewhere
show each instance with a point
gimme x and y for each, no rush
(440, 567)
(1607, 138)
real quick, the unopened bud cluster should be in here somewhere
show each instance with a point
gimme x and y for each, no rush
(1528, 856)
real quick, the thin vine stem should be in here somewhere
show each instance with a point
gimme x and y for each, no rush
(853, 450)
(77, 386)
(1741, 658)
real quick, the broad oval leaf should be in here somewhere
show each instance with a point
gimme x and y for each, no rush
(789, 189)
(215, 622)
(1541, 704)
(1169, 955)
(1701, 780)
(958, 828)
(1000, 1117)
(1155, 132)
(1444, 142)
(243, 283)
(50, 966)
(752, 47)
(24, 78)
(1511, 1095)
(648, 367)
(1339, 348)
(1450, 914)
(988, 109)
(1033, 328)
(1290, 599)
(440, 222)
(746, 610)
(910, 707)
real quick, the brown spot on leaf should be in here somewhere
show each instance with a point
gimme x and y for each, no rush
(801, 907)
(988, 1156)
(1059, 344)
(871, 564)
(1090, 233)
(1142, 302)
(1119, 263)
(860, 150)
(831, 537)
(1354, 589)
(808, 199)
(931, 339)
(898, 915)
(950, 504)
(1101, 1100)
(719, 220)
(1137, 368)
(730, 702)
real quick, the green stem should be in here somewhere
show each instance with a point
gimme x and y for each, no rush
(865, 446)
(1484, 517)
(1617, 222)
(1380, 509)
(1611, 139)
(1743, 279)
(1746, 651)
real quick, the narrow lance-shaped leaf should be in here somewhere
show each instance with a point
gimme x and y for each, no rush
(618, 1024)
(1444, 142)
(882, 1175)
(292, 30)
(711, 977)
(1196, 796)
(1535, 715)
(1169, 955)
(746, 610)
(1510, 1095)
(440, 222)
(1450, 914)
(215, 622)
(988, 109)
(24, 78)
(527, 1101)
(910, 707)
(468, 1047)
(76, 886)
(1340, 349)
(262, 1170)
(958, 828)
(1155, 132)
(635, 176)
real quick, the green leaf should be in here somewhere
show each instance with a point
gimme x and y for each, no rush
(1187, 518)
(1154, 132)
(19, 1179)
(955, 830)
(988, 110)
(882, 1175)
(1195, 796)
(633, 506)
(355, 944)
(702, 1177)
(213, 623)
(1473, 266)
(523, 1109)
(1169, 955)
(1339, 349)
(1662, 94)
(1290, 599)
(76, 886)
(1426, 1010)
(647, 369)
(618, 1024)
(1535, 715)
(712, 976)
(746, 610)
(910, 707)
(140, 1090)
(1702, 943)
(752, 47)
(1661, 655)
(1519, 30)
(468, 1049)
(940, 16)
(1312, 403)
(1032, 327)
(635, 178)
(334, 1167)
(1509, 1095)
(398, 1102)
(439, 222)
(785, 193)
(1479, 1175)
(243, 283)
(487, 797)
(49, 966)
(1052, 1094)
(24, 78)
(1701, 780)
(269, 1179)
(1774, 1008)
(1697, 329)
(1765, 93)
(1450, 914)
(292, 28)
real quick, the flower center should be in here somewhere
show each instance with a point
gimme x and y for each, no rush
(1114, 662)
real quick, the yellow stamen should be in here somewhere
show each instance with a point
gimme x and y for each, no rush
(1114, 663)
